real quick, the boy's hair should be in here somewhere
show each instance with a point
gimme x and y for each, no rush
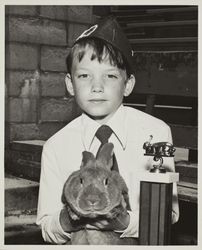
(101, 51)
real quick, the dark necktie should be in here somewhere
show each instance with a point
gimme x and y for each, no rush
(103, 134)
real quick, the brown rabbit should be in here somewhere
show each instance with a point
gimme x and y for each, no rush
(94, 192)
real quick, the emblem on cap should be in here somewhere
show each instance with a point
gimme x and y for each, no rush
(88, 31)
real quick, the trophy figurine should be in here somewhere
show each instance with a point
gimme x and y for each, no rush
(158, 150)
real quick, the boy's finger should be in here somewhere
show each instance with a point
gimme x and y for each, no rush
(89, 226)
(103, 224)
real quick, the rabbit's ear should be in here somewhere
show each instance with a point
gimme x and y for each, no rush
(88, 159)
(105, 156)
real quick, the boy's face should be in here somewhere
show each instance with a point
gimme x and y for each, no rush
(98, 87)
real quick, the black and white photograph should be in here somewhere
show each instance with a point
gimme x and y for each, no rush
(100, 124)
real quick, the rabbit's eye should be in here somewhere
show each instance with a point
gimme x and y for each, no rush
(106, 181)
(81, 180)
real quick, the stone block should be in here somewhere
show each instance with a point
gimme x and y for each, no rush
(32, 131)
(24, 131)
(35, 30)
(53, 59)
(47, 129)
(22, 83)
(72, 13)
(81, 14)
(56, 110)
(53, 84)
(22, 110)
(26, 10)
(15, 80)
(21, 56)
(20, 194)
(54, 12)
(32, 147)
(74, 30)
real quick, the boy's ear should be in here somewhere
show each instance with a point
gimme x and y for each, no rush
(69, 85)
(130, 83)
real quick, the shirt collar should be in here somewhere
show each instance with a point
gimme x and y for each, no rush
(117, 124)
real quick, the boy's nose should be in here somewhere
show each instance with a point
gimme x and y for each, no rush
(97, 86)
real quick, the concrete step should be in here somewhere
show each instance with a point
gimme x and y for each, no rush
(20, 228)
(23, 159)
(21, 197)
(20, 194)
(188, 171)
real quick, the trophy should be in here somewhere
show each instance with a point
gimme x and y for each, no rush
(156, 192)
(158, 150)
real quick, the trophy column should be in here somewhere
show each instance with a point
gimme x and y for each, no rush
(156, 192)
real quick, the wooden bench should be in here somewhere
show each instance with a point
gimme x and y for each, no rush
(164, 42)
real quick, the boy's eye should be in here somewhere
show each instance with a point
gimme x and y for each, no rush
(83, 76)
(111, 76)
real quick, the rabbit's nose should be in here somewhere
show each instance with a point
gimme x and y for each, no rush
(93, 199)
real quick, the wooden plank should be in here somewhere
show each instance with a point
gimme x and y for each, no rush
(144, 17)
(164, 226)
(164, 40)
(165, 47)
(150, 104)
(193, 155)
(24, 168)
(30, 145)
(178, 101)
(188, 185)
(187, 194)
(171, 85)
(175, 9)
(162, 32)
(162, 217)
(144, 213)
(168, 222)
(168, 83)
(120, 10)
(166, 73)
(160, 24)
(154, 216)
(188, 172)
(185, 136)
(175, 115)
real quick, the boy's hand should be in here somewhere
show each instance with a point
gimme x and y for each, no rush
(119, 223)
(68, 225)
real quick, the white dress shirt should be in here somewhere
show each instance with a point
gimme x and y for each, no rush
(62, 154)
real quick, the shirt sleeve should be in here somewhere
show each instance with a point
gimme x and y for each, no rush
(170, 165)
(49, 201)
(132, 229)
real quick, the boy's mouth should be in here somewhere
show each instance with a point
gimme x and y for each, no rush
(97, 100)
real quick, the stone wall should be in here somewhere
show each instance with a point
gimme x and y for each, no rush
(38, 39)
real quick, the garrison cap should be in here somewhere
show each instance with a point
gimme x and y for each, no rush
(110, 31)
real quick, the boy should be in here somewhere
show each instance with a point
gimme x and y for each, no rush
(100, 74)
